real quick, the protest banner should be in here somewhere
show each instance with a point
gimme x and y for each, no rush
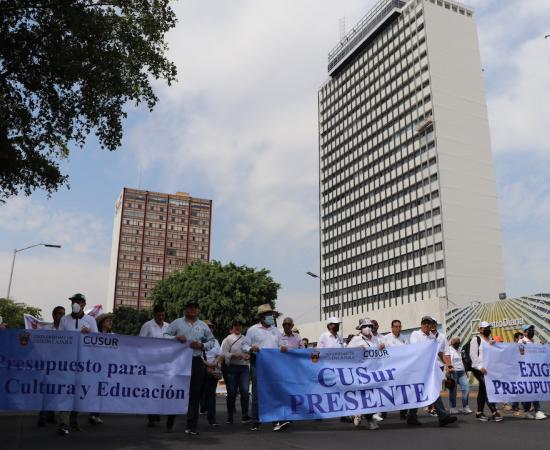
(71, 371)
(32, 323)
(517, 372)
(323, 383)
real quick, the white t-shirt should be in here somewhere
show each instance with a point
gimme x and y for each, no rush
(391, 341)
(328, 340)
(361, 341)
(69, 323)
(152, 329)
(456, 359)
(262, 337)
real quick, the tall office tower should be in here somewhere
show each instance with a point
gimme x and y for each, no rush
(408, 208)
(154, 234)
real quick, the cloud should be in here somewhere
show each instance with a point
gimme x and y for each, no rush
(76, 231)
(46, 281)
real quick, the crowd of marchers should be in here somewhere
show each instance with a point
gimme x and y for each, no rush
(234, 362)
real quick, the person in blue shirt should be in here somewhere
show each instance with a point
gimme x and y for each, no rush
(190, 329)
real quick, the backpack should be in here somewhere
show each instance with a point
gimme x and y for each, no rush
(465, 354)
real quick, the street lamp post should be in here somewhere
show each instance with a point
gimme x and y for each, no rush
(15, 251)
(314, 275)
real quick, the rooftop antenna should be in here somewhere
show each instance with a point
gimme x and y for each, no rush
(341, 28)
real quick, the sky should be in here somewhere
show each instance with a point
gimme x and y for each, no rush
(240, 128)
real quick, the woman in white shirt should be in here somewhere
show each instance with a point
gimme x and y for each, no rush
(479, 371)
(458, 374)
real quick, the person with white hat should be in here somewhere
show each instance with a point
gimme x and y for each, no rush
(365, 339)
(331, 338)
(528, 338)
(479, 372)
(262, 335)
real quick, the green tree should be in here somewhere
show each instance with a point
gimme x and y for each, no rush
(67, 68)
(224, 292)
(12, 312)
(129, 320)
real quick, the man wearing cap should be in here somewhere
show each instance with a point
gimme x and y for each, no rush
(528, 339)
(238, 371)
(365, 339)
(75, 321)
(189, 329)
(425, 335)
(262, 335)
(479, 372)
(331, 338)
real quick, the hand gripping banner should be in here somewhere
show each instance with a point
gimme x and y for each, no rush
(313, 384)
(71, 371)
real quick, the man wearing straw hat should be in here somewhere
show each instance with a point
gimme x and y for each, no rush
(262, 335)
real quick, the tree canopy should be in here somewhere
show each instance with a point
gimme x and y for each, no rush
(224, 292)
(12, 312)
(129, 320)
(67, 68)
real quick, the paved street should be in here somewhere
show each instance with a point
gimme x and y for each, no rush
(130, 432)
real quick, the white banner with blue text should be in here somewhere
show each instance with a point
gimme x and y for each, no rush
(71, 371)
(517, 372)
(323, 383)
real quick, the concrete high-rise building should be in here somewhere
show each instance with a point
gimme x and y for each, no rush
(408, 209)
(154, 234)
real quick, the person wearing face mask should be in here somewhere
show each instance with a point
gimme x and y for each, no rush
(528, 338)
(365, 339)
(262, 335)
(331, 338)
(479, 371)
(458, 374)
(425, 335)
(75, 321)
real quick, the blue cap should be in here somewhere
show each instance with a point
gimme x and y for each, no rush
(526, 327)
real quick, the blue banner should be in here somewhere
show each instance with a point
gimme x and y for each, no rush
(71, 371)
(313, 384)
(517, 372)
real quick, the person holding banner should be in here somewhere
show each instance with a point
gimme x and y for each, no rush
(190, 329)
(425, 335)
(479, 372)
(528, 339)
(393, 339)
(104, 325)
(262, 335)
(155, 328)
(76, 321)
(365, 339)
(57, 313)
(331, 338)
